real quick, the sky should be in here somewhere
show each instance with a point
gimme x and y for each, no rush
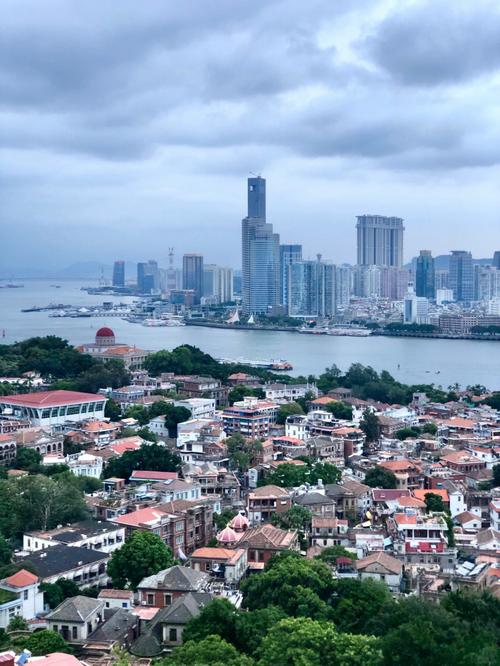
(129, 127)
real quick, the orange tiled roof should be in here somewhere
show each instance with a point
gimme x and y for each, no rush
(22, 578)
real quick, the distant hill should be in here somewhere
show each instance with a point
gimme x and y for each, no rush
(85, 270)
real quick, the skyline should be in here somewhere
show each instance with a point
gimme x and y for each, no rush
(111, 151)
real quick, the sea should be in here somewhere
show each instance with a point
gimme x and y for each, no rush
(410, 360)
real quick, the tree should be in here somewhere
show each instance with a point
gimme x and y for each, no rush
(18, 623)
(406, 433)
(296, 518)
(150, 456)
(332, 553)
(496, 475)
(297, 642)
(112, 411)
(211, 651)
(242, 452)
(239, 392)
(355, 602)
(340, 410)
(222, 519)
(434, 502)
(379, 477)
(288, 409)
(143, 554)
(430, 428)
(289, 475)
(253, 626)
(44, 642)
(370, 425)
(5, 552)
(217, 617)
(28, 459)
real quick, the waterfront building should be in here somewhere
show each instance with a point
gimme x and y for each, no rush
(260, 254)
(119, 274)
(218, 283)
(51, 408)
(461, 279)
(368, 281)
(343, 285)
(380, 240)
(192, 275)
(311, 289)
(425, 275)
(415, 308)
(148, 280)
(496, 260)
(289, 254)
(105, 348)
(393, 282)
(486, 283)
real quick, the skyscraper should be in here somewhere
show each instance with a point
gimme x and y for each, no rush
(496, 260)
(192, 275)
(147, 276)
(425, 277)
(218, 282)
(461, 278)
(119, 274)
(289, 254)
(311, 289)
(260, 253)
(380, 240)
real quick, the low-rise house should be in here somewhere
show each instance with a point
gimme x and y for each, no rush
(382, 567)
(8, 449)
(316, 502)
(200, 408)
(488, 539)
(326, 449)
(76, 618)
(42, 440)
(92, 534)
(83, 566)
(20, 595)
(120, 629)
(288, 392)
(194, 386)
(352, 497)
(494, 507)
(85, 464)
(95, 432)
(251, 417)
(227, 563)
(265, 501)
(407, 472)
(165, 587)
(141, 475)
(463, 462)
(117, 598)
(469, 522)
(214, 481)
(329, 531)
(264, 541)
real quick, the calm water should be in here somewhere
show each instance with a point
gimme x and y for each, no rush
(462, 361)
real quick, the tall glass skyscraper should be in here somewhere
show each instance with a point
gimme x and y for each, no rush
(192, 275)
(425, 276)
(461, 278)
(119, 274)
(311, 289)
(380, 240)
(147, 276)
(260, 254)
(289, 254)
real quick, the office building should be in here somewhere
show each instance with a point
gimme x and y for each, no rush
(148, 280)
(260, 254)
(311, 290)
(367, 281)
(289, 254)
(441, 278)
(218, 283)
(119, 274)
(380, 240)
(496, 260)
(486, 282)
(461, 280)
(425, 278)
(192, 275)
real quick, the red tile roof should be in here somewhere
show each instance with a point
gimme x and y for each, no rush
(51, 398)
(22, 578)
(146, 475)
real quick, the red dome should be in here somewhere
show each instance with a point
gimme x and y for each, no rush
(105, 332)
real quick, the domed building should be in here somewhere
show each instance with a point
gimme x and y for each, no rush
(227, 537)
(239, 523)
(105, 337)
(105, 347)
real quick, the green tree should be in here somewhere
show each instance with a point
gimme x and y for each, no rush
(340, 410)
(241, 452)
(301, 642)
(253, 626)
(143, 554)
(44, 642)
(296, 518)
(496, 475)
(217, 617)
(288, 475)
(211, 651)
(356, 602)
(239, 392)
(222, 519)
(406, 433)
(18, 623)
(379, 477)
(5, 552)
(430, 428)
(370, 425)
(28, 459)
(288, 409)
(112, 411)
(151, 457)
(434, 502)
(332, 553)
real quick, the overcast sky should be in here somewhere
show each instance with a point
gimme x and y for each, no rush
(129, 126)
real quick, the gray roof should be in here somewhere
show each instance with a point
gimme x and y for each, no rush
(146, 645)
(176, 578)
(76, 609)
(57, 560)
(182, 610)
(116, 626)
(310, 499)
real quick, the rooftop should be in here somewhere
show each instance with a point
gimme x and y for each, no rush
(51, 398)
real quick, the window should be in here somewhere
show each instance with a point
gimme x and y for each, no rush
(124, 604)
(151, 599)
(167, 599)
(25, 594)
(172, 634)
(54, 627)
(74, 632)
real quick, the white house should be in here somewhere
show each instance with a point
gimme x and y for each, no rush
(382, 567)
(85, 464)
(289, 392)
(91, 534)
(76, 618)
(50, 408)
(20, 595)
(200, 408)
(117, 598)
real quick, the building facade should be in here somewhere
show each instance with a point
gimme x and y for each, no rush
(425, 278)
(192, 275)
(380, 240)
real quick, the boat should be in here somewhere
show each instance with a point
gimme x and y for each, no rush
(168, 320)
(353, 332)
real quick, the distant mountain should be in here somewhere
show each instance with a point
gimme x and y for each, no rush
(82, 270)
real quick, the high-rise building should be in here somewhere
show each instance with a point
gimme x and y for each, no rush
(311, 290)
(260, 254)
(289, 254)
(119, 274)
(380, 240)
(343, 285)
(192, 275)
(425, 276)
(415, 308)
(218, 282)
(486, 282)
(496, 260)
(147, 277)
(461, 280)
